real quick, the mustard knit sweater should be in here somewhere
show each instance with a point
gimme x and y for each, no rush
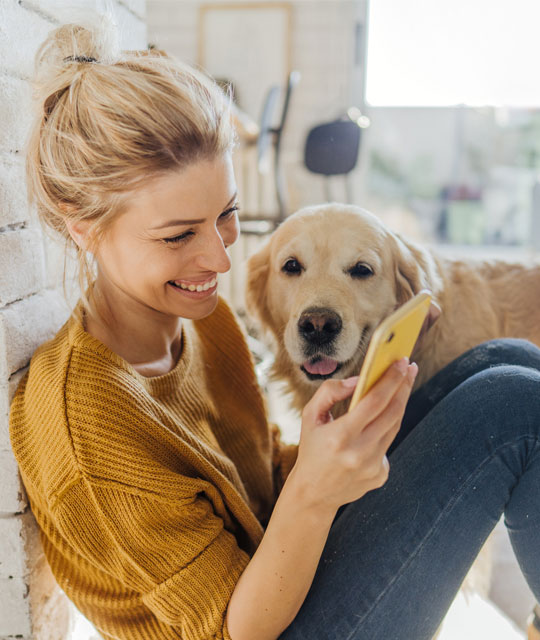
(151, 494)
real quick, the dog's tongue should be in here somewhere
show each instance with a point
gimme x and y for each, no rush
(321, 366)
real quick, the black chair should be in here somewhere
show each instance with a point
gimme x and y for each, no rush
(271, 137)
(331, 149)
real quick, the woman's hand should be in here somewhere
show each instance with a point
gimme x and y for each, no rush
(341, 460)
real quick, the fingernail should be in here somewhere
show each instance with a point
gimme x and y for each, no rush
(350, 382)
(412, 371)
(401, 365)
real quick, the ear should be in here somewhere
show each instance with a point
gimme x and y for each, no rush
(79, 230)
(408, 272)
(258, 269)
(431, 318)
(415, 269)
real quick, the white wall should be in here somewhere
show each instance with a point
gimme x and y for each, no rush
(32, 307)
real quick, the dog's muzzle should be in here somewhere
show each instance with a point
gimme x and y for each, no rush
(319, 326)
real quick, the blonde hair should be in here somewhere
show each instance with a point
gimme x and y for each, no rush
(108, 122)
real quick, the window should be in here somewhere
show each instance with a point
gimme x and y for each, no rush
(449, 52)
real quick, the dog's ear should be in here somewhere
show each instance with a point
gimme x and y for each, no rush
(407, 272)
(431, 318)
(414, 269)
(258, 268)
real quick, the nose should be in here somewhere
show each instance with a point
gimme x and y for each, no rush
(214, 256)
(319, 326)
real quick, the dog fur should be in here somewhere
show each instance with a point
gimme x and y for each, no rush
(478, 301)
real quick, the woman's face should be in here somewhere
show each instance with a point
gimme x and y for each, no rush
(165, 251)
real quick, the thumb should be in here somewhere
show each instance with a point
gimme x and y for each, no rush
(318, 408)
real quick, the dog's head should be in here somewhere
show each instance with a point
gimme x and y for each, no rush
(324, 281)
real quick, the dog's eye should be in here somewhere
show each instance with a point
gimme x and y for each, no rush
(361, 270)
(292, 267)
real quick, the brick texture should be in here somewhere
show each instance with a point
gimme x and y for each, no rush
(16, 99)
(21, 264)
(13, 194)
(32, 304)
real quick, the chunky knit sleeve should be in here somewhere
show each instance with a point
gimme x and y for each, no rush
(175, 554)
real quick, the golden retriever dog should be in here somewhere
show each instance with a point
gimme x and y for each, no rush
(331, 273)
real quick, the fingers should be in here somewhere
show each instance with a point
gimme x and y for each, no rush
(385, 427)
(317, 410)
(376, 401)
(382, 397)
(377, 436)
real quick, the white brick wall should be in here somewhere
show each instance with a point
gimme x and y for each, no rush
(32, 307)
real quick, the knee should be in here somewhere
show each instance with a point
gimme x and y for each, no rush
(506, 389)
(501, 406)
(505, 351)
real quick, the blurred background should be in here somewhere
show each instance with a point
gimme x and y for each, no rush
(443, 93)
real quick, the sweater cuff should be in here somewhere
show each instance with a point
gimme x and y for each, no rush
(196, 598)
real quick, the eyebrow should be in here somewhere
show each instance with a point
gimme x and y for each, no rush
(176, 223)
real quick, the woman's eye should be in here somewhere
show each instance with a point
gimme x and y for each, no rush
(361, 270)
(292, 267)
(179, 238)
(184, 236)
(229, 212)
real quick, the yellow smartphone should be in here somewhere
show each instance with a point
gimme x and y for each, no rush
(392, 340)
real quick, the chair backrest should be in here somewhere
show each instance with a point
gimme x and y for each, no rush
(292, 81)
(332, 148)
(266, 132)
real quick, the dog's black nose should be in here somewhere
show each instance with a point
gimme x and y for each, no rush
(319, 326)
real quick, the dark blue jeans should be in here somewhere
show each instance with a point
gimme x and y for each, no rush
(468, 451)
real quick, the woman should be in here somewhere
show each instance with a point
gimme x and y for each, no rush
(167, 506)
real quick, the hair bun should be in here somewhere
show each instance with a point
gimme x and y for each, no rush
(87, 36)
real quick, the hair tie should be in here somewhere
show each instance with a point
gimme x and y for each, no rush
(79, 59)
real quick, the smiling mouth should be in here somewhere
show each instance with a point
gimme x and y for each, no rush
(321, 367)
(203, 286)
(199, 293)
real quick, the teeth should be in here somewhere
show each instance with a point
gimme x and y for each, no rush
(199, 287)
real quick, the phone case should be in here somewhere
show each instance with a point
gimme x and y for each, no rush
(393, 339)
